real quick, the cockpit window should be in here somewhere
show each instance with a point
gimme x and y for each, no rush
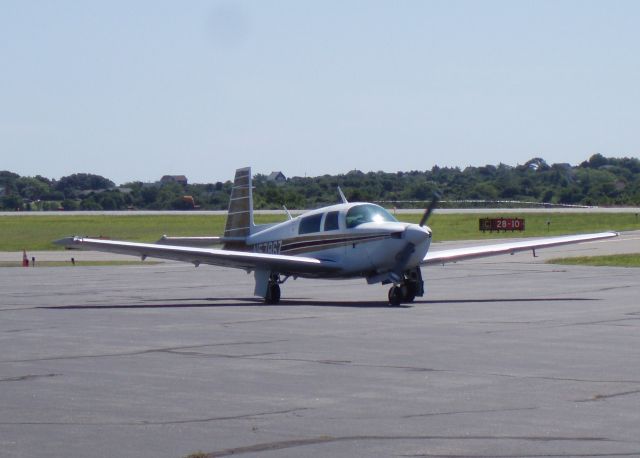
(368, 213)
(331, 221)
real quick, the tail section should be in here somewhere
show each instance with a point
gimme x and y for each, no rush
(240, 215)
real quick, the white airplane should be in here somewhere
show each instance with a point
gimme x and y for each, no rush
(347, 240)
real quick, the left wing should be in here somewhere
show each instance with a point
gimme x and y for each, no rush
(246, 260)
(458, 254)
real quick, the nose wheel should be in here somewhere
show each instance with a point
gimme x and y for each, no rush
(395, 296)
(405, 292)
(410, 287)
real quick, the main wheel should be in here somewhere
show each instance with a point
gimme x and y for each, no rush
(395, 296)
(273, 294)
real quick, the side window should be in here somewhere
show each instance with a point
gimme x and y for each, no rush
(331, 221)
(310, 224)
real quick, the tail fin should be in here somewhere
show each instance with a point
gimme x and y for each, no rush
(240, 215)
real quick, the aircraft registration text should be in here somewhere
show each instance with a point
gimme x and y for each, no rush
(272, 247)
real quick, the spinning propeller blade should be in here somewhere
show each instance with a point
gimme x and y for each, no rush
(432, 206)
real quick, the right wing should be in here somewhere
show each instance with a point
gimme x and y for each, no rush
(246, 260)
(458, 254)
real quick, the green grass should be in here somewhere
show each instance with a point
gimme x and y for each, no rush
(616, 260)
(37, 232)
(465, 226)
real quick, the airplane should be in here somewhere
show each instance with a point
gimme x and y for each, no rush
(346, 240)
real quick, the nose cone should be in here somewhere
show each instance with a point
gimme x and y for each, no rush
(417, 234)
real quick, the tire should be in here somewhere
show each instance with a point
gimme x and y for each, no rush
(395, 296)
(273, 294)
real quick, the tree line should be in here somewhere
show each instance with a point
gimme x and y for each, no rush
(598, 181)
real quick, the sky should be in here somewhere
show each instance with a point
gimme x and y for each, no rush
(136, 90)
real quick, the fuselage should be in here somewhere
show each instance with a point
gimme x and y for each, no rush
(363, 239)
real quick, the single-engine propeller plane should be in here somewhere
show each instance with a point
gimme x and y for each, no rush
(347, 240)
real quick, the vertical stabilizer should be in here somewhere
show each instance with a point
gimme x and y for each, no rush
(240, 216)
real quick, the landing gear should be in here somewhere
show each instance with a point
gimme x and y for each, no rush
(410, 287)
(406, 292)
(273, 294)
(395, 296)
(273, 289)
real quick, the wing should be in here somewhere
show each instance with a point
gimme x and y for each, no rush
(239, 259)
(191, 241)
(458, 254)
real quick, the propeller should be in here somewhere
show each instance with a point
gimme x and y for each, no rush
(432, 206)
(403, 256)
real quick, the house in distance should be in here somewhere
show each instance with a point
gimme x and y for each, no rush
(180, 179)
(276, 177)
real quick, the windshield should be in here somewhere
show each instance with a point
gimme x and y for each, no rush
(368, 213)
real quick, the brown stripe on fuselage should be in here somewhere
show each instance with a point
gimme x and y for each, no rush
(314, 243)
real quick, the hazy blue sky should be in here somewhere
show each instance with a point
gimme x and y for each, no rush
(138, 89)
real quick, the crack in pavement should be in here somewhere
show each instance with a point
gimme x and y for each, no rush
(566, 325)
(436, 414)
(156, 423)
(22, 378)
(280, 445)
(587, 323)
(235, 417)
(430, 369)
(611, 288)
(270, 356)
(556, 379)
(218, 355)
(175, 350)
(600, 397)
(352, 364)
(227, 323)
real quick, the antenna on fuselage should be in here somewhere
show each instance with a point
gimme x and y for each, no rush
(344, 199)
(287, 211)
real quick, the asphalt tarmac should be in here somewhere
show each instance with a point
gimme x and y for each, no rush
(505, 356)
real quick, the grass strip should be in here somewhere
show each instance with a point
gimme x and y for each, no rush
(615, 260)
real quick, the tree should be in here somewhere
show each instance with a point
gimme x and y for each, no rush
(32, 188)
(83, 182)
(12, 202)
(596, 161)
(69, 204)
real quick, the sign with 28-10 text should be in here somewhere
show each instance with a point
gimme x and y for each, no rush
(501, 224)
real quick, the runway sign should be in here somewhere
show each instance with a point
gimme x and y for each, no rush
(501, 224)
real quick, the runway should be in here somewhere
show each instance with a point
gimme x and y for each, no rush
(504, 356)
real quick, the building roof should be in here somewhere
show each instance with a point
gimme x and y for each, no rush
(276, 176)
(176, 178)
